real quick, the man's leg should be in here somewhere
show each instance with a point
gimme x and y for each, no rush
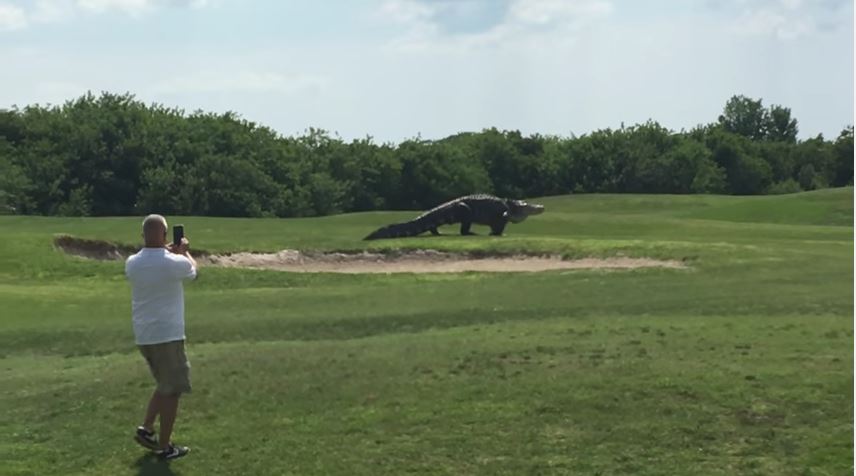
(145, 434)
(152, 411)
(168, 410)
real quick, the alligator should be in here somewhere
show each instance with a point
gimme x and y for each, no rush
(481, 209)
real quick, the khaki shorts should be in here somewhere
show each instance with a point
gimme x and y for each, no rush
(169, 366)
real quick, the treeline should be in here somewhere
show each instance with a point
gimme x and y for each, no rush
(114, 155)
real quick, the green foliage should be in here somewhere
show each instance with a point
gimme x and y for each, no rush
(780, 127)
(79, 203)
(163, 190)
(709, 178)
(113, 155)
(13, 182)
(746, 173)
(780, 156)
(844, 158)
(685, 168)
(808, 178)
(781, 188)
(815, 163)
(745, 117)
(748, 118)
(432, 172)
(326, 194)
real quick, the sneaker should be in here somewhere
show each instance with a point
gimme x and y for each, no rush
(173, 452)
(146, 438)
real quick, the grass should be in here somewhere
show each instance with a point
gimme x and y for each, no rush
(742, 364)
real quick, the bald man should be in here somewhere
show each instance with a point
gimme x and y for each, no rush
(156, 274)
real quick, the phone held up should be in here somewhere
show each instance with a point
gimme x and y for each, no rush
(177, 235)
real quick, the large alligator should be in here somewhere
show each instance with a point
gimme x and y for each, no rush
(478, 209)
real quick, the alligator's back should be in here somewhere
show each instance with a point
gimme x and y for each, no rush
(478, 208)
(470, 200)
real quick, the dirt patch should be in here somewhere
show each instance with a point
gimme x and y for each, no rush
(415, 261)
(93, 249)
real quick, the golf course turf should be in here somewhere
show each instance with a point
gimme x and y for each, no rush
(738, 362)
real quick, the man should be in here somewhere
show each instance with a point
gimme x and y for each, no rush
(156, 273)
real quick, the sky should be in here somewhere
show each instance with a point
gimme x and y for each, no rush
(398, 69)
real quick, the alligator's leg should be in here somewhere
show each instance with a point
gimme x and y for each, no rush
(434, 231)
(464, 215)
(415, 230)
(497, 228)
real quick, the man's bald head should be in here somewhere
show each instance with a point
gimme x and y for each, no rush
(154, 231)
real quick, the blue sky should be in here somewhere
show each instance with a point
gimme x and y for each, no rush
(394, 69)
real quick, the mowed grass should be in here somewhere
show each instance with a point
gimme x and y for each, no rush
(740, 364)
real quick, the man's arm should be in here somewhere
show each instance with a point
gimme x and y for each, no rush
(183, 249)
(192, 261)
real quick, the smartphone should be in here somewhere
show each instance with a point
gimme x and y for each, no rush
(177, 234)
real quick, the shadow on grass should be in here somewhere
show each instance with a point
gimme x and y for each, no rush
(77, 343)
(150, 465)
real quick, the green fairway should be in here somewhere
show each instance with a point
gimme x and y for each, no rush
(742, 363)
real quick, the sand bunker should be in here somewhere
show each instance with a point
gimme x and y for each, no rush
(415, 261)
(422, 261)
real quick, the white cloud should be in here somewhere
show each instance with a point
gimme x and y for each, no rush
(556, 12)
(12, 17)
(415, 16)
(788, 19)
(525, 23)
(791, 4)
(50, 11)
(135, 7)
(407, 11)
(242, 81)
(771, 22)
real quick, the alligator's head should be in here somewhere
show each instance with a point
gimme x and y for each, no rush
(519, 210)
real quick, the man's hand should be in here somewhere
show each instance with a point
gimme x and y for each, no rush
(181, 249)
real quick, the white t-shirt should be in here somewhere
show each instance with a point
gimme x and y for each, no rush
(157, 294)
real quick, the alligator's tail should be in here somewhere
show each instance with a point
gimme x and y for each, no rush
(399, 230)
(445, 214)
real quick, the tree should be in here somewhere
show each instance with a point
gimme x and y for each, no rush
(709, 178)
(645, 161)
(165, 189)
(686, 168)
(808, 178)
(786, 186)
(746, 117)
(843, 168)
(590, 162)
(11, 126)
(327, 195)
(78, 204)
(379, 172)
(110, 154)
(780, 157)
(814, 161)
(230, 186)
(517, 165)
(432, 173)
(14, 184)
(746, 173)
(780, 127)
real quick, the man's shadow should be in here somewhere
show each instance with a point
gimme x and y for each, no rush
(151, 465)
